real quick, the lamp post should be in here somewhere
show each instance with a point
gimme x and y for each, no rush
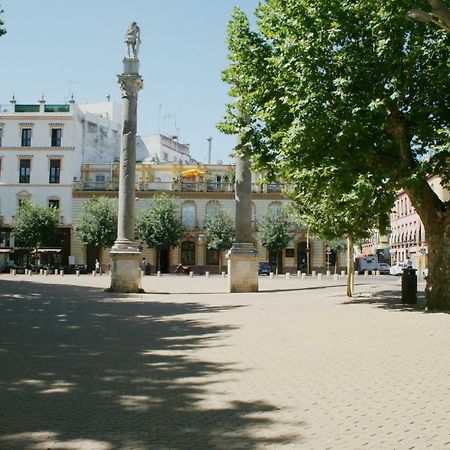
(439, 15)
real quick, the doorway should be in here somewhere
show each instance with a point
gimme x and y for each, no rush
(164, 259)
(302, 257)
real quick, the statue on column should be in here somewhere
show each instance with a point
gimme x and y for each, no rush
(133, 40)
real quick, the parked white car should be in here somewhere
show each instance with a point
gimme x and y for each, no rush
(396, 269)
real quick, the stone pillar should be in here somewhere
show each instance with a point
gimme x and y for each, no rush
(242, 257)
(125, 254)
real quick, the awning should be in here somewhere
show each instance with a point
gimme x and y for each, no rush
(6, 250)
(47, 250)
(192, 173)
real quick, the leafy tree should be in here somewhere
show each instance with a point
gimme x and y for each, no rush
(35, 226)
(274, 231)
(97, 224)
(159, 225)
(2, 30)
(355, 88)
(220, 233)
(341, 208)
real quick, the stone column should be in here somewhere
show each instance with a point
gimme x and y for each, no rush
(125, 253)
(242, 258)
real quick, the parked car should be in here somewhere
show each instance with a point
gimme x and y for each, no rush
(264, 268)
(396, 269)
(384, 269)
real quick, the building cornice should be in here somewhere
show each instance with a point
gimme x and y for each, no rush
(47, 116)
(28, 149)
(183, 195)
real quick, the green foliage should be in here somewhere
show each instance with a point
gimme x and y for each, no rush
(159, 225)
(220, 231)
(336, 83)
(274, 231)
(2, 30)
(34, 225)
(97, 225)
(337, 208)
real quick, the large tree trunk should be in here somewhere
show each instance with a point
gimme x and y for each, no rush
(350, 268)
(435, 216)
(434, 213)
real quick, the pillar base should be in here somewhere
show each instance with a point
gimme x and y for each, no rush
(125, 270)
(242, 268)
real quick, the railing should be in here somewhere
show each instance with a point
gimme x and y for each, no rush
(175, 186)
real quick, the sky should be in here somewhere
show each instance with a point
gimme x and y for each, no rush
(60, 47)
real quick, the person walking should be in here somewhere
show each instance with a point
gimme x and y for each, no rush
(98, 267)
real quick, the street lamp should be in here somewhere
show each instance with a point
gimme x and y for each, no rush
(440, 14)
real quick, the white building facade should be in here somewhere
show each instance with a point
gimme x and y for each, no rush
(42, 148)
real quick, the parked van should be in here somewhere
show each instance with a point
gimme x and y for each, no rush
(369, 263)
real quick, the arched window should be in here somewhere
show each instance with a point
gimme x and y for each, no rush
(188, 253)
(211, 209)
(275, 208)
(188, 215)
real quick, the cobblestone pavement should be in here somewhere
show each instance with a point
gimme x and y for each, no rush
(189, 366)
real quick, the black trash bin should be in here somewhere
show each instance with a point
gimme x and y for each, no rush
(409, 286)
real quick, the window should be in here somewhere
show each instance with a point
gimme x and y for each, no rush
(188, 253)
(1, 136)
(55, 171)
(275, 208)
(100, 179)
(56, 137)
(24, 171)
(26, 137)
(211, 209)
(188, 215)
(53, 203)
(212, 257)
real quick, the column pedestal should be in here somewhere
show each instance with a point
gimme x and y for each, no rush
(125, 271)
(243, 268)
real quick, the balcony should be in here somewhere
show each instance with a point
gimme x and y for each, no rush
(176, 186)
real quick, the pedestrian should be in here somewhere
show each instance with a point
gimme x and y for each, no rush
(144, 266)
(97, 267)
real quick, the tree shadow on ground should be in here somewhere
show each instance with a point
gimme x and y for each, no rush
(388, 299)
(83, 369)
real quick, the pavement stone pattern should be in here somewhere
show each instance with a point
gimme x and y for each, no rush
(189, 366)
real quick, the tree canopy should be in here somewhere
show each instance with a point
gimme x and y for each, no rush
(353, 89)
(97, 224)
(219, 231)
(159, 225)
(274, 230)
(2, 29)
(34, 225)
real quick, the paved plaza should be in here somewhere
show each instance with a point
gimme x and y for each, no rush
(189, 366)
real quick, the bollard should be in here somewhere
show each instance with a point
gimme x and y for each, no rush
(366, 273)
(14, 272)
(41, 272)
(93, 273)
(206, 274)
(335, 276)
(191, 274)
(223, 274)
(61, 272)
(343, 273)
(271, 275)
(319, 276)
(77, 272)
(409, 286)
(377, 273)
(313, 273)
(299, 273)
(328, 273)
(45, 272)
(356, 273)
(30, 272)
(288, 275)
(158, 274)
(303, 276)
